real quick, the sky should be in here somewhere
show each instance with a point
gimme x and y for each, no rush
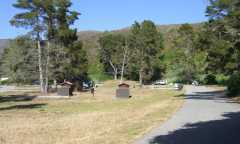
(102, 15)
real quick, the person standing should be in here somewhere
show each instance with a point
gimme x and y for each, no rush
(93, 88)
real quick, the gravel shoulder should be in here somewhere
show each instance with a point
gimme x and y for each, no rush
(206, 118)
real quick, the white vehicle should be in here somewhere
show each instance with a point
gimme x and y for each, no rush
(160, 82)
(178, 86)
(195, 83)
(3, 79)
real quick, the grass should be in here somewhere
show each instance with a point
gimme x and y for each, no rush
(237, 99)
(86, 119)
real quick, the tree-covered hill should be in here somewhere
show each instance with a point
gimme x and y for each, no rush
(93, 36)
(3, 44)
(90, 38)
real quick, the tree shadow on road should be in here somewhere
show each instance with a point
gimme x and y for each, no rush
(224, 131)
(211, 95)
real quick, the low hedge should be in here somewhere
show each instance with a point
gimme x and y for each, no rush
(233, 85)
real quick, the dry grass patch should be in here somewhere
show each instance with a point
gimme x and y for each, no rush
(84, 119)
(237, 99)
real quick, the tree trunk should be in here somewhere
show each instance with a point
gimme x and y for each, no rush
(115, 70)
(123, 63)
(140, 78)
(55, 84)
(122, 72)
(40, 66)
(46, 69)
(115, 75)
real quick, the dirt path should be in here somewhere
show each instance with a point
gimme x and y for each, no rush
(205, 118)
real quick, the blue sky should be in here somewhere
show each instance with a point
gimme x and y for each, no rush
(116, 14)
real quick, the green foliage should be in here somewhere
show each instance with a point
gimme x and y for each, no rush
(209, 53)
(184, 60)
(223, 42)
(4, 82)
(224, 29)
(222, 79)
(233, 85)
(210, 79)
(96, 72)
(111, 45)
(112, 52)
(31, 18)
(143, 59)
(60, 56)
(19, 61)
(76, 64)
(65, 18)
(146, 43)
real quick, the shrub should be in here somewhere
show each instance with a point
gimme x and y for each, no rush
(222, 79)
(210, 79)
(4, 82)
(233, 85)
(96, 72)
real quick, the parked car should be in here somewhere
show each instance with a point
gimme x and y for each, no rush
(88, 85)
(160, 82)
(195, 83)
(178, 86)
(35, 82)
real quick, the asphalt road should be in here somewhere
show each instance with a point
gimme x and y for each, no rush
(205, 118)
(6, 88)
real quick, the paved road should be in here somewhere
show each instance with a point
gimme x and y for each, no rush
(205, 118)
(6, 88)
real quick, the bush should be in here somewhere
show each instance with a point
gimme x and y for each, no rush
(233, 85)
(222, 79)
(96, 72)
(5, 82)
(210, 79)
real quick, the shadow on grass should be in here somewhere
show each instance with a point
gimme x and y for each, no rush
(222, 131)
(181, 95)
(26, 106)
(16, 98)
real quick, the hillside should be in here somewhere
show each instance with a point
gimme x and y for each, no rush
(3, 44)
(94, 35)
(90, 38)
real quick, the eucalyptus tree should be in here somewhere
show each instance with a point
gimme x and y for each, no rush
(126, 54)
(111, 52)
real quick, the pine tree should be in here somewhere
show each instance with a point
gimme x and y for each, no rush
(50, 21)
(32, 19)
